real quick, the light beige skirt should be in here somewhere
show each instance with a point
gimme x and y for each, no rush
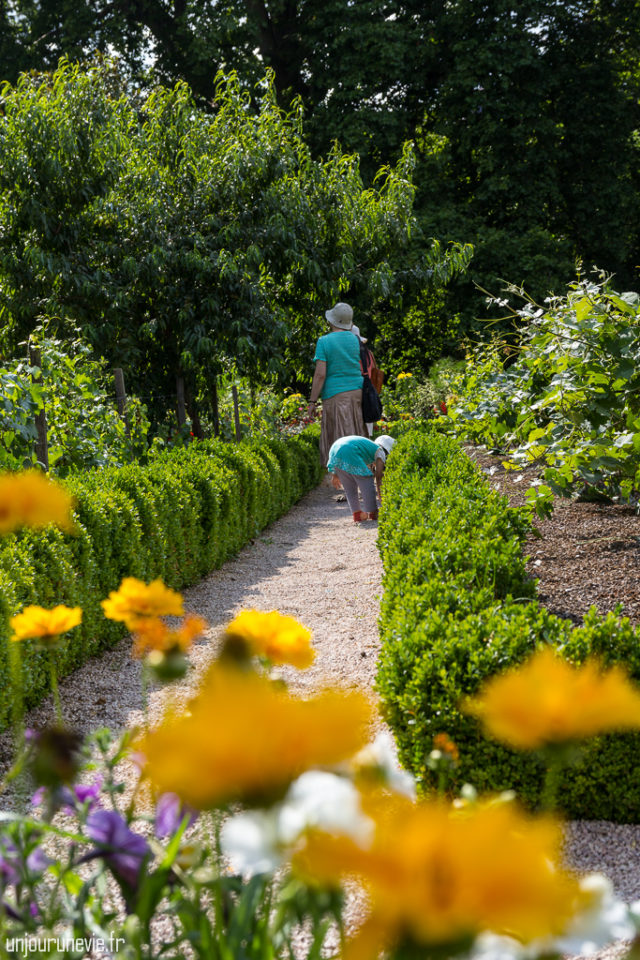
(341, 417)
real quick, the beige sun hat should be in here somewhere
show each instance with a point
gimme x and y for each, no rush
(340, 316)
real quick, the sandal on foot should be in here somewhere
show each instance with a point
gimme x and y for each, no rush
(359, 516)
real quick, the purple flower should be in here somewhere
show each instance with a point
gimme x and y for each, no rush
(9, 864)
(89, 793)
(65, 798)
(39, 797)
(170, 812)
(122, 849)
(38, 861)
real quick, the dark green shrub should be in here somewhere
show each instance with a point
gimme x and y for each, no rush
(458, 608)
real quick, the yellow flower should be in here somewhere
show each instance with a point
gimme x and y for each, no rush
(154, 634)
(44, 625)
(549, 701)
(29, 499)
(445, 744)
(279, 638)
(437, 875)
(136, 601)
(401, 376)
(245, 738)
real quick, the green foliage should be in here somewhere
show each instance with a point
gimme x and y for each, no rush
(63, 145)
(398, 397)
(535, 169)
(84, 429)
(20, 400)
(177, 517)
(407, 397)
(524, 117)
(458, 608)
(569, 402)
(183, 242)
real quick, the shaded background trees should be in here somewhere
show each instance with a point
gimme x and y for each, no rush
(524, 115)
(183, 241)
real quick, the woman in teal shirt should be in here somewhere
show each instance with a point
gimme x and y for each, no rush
(338, 380)
(356, 463)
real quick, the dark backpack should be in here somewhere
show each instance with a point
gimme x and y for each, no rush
(371, 406)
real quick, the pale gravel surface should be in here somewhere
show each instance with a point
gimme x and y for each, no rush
(314, 564)
(319, 567)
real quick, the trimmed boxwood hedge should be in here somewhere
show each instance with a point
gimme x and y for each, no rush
(459, 607)
(177, 518)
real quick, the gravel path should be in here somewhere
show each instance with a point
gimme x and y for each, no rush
(319, 567)
(313, 564)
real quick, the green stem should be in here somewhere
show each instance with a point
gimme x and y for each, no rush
(144, 690)
(552, 780)
(54, 688)
(15, 663)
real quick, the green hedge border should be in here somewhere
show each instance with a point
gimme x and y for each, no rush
(177, 517)
(459, 607)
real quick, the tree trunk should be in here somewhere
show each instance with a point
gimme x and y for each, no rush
(236, 412)
(194, 414)
(42, 446)
(181, 409)
(215, 412)
(121, 397)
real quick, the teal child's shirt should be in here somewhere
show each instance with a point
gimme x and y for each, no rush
(353, 455)
(341, 352)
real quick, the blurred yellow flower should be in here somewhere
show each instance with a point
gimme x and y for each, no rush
(401, 376)
(437, 875)
(29, 499)
(154, 634)
(246, 738)
(445, 744)
(44, 625)
(136, 601)
(279, 638)
(549, 701)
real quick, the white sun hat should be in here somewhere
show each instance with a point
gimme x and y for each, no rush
(356, 330)
(387, 443)
(340, 316)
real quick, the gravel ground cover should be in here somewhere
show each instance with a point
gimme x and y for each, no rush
(319, 567)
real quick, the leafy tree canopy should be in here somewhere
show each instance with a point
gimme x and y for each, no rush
(182, 240)
(524, 114)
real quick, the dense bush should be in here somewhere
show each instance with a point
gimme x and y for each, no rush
(565, 396)
(176, 518)
(76, 391)
(458, 607)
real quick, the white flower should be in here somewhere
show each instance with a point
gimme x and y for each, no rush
(602, 921)
(381, 757)
(327, 802)
(259, 841)
(490, 946)
(250, 841)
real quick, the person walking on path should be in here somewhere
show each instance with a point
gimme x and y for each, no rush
(338, 380)
(358, 464)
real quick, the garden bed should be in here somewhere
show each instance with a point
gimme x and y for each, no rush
(588, 553)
